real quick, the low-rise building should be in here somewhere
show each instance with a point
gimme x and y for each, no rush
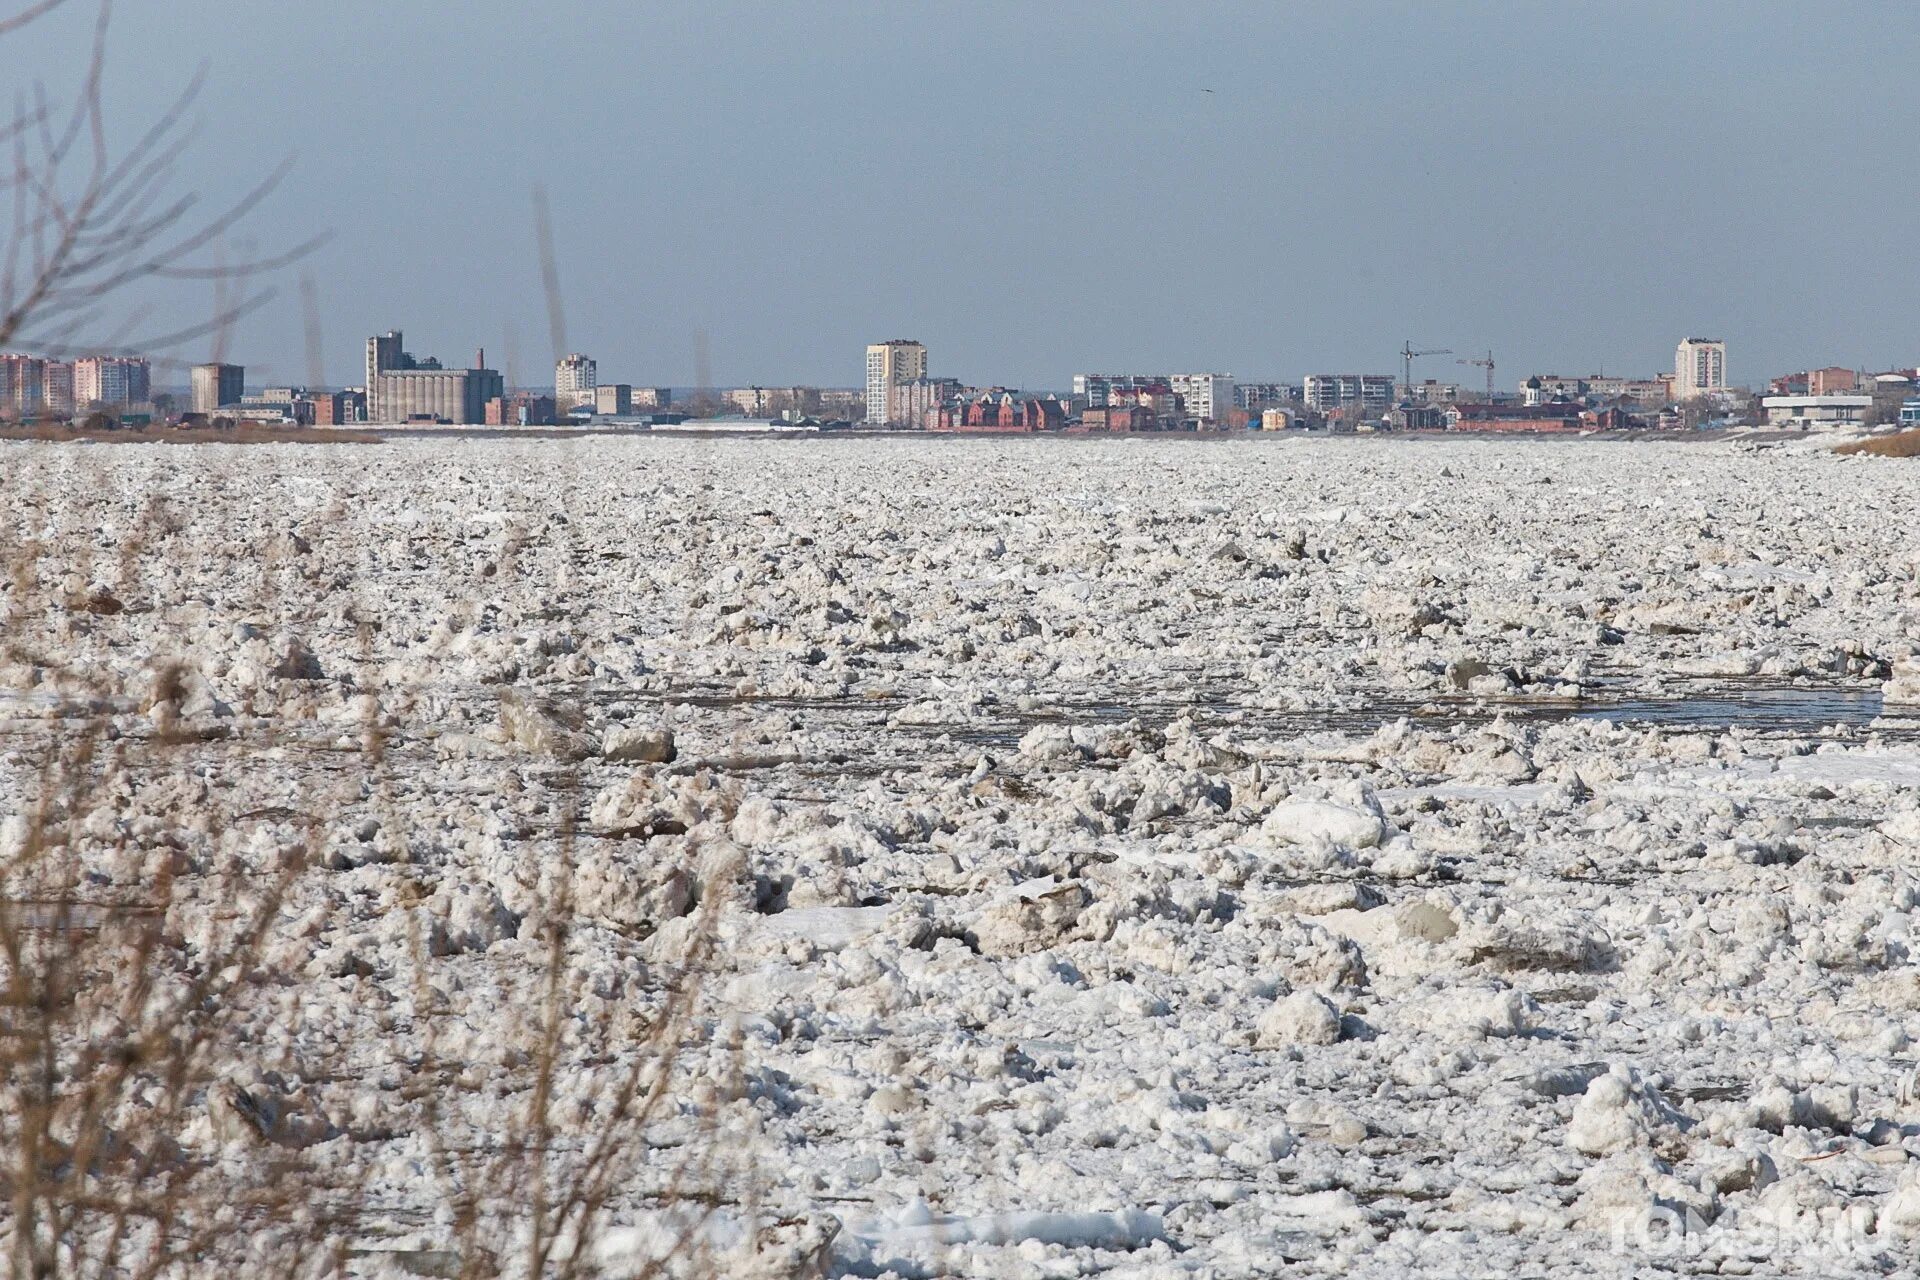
(521, 409)
(1002, 411)
(1119, 418)
(1419, 417)
(1558, 417)
(1277, 418)
(338, 408)
(1816, 411)
(1910, 412)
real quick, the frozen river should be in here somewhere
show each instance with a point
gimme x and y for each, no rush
(1125, 858)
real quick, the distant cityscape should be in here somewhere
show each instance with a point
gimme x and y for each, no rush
(902, 393)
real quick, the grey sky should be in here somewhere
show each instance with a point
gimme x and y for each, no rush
(1034, 187)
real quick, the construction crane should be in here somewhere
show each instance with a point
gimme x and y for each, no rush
(1407, 356)
(1486, 364)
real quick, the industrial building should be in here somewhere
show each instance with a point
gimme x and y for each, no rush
(402, 388)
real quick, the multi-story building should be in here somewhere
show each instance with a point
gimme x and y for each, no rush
(889, 364)
(1254, 396)
(111, 380)
(290, 404)
(1204, 397)
(1325, 392)
(1000, 410)
(400, 387)
(521, 409)
(846, 403)
(575, 378)
(217, 385)
(23, 386)
(1433, 392)
(1699, 367)
(1157, 399)
(612, 398)
(779, 402)
(58, 395)
(1598, 386)
(652, 397)
(337, 408)
(1831, 381)
(918, 403)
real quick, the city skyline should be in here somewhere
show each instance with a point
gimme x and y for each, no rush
(1518, 188)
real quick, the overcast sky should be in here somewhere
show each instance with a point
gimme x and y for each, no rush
(1035, 188)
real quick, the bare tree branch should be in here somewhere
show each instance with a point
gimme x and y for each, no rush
(86, 226)
(28, 14)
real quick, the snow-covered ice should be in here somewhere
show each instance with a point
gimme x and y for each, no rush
(1142, 858)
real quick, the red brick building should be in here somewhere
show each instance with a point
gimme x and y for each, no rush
(521, 409)
(337, 408)
(1002, 411)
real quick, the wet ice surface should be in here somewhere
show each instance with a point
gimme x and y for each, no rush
(1801, 711)
(1162, 858)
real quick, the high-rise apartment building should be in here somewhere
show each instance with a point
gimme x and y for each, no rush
(574, 381)
(111, 380)
(1325, 392)
(217, 385)
(1699, 367)
(58, 395)
(889, 364)
(23, 386)
(400, 387)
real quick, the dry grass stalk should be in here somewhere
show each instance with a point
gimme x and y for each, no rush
(1905, 444)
